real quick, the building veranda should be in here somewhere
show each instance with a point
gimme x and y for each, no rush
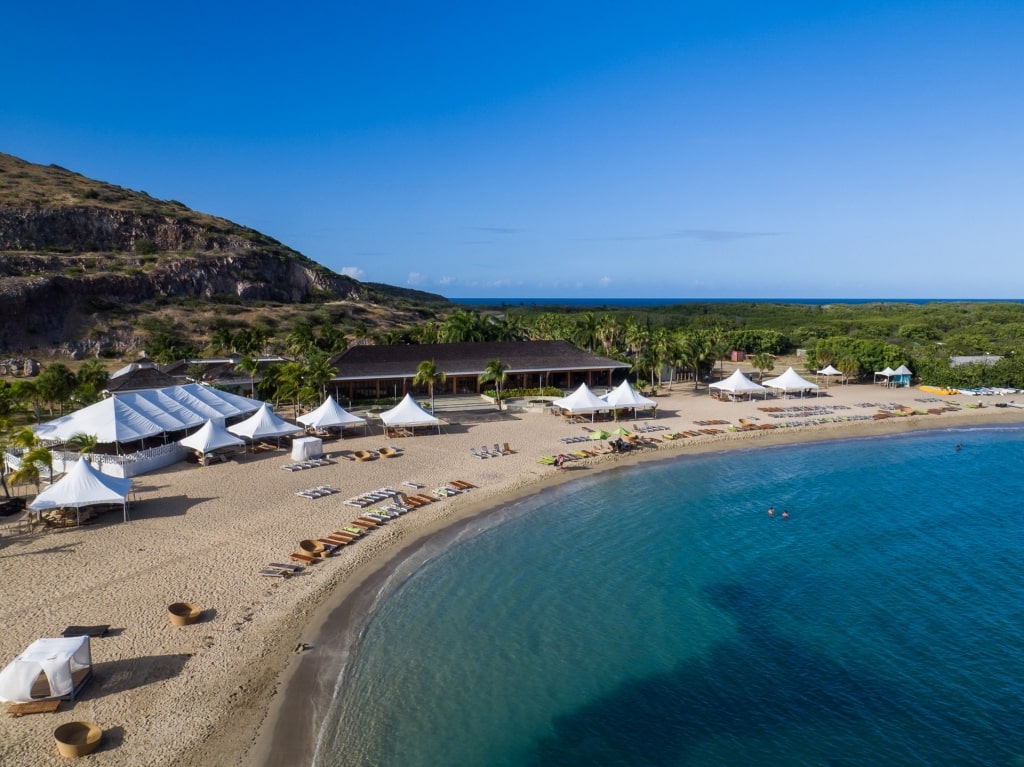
(375, 372)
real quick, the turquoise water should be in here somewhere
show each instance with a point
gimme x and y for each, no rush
(657, 616)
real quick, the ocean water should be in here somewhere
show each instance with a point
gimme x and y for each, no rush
(656, 615)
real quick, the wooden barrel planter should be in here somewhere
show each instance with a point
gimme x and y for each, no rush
(76, 739)
(313, 548)
(183, 613)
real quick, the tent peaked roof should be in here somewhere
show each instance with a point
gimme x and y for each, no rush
(329, 414)
(263, 423)
(582, 401)
(83, 485)
(132, 416)
(624, 395)
(212, 436)
(829, 371)
(790, 381)
(887, 371)
(902, 370)
(408, 413)
(737, 383)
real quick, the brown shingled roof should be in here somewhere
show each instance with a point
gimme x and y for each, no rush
(369, 362)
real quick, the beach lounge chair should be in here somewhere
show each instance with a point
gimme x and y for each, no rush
(413, 485)
(496, 450)
(506, 449)
(459, 484)
(273, 572)
(290, 568)
(476, 454)
(88, 631)
(306, 559)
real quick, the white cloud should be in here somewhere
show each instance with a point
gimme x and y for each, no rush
(414, 278)
(446, 280)
(353, 271)
(605, 281)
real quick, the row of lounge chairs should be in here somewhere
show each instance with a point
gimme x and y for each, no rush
(312, 463)
(494, 452)
(312, 551)
(649, 427)
(317, 492)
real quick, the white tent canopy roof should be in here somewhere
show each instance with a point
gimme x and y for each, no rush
(135, 415)
(888, 371)
(829, 371)
(583, 400)
(624, 395)
(790, 381)
(737, 383)
(83, 485)
(264, 423)
(329, 414)
(902, 370)
(211, 437)
(59, 658)
(408, 413)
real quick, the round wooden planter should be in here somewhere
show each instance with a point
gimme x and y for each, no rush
(76, 739)
(183, 613)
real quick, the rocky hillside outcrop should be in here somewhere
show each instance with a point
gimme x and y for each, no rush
(72, 248)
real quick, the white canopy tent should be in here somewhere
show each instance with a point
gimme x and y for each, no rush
(625, 396)
(828, 372)
(790, 382)
(84, 486)
(738, 385)
(902, 376)
(331, 414)
(884, 376)
(583, 400)
(212, 436)
(136, 415)
(65, 662)
(263, 424)
(407, 414)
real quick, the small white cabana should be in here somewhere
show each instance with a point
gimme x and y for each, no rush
(828, 373)
(625, 396)
(407, 414)
(331, 415)
(583, 400)
(264, 424)
(49, 668)
(738, 386)
(84, 486)
(884, 377)
(791, 382)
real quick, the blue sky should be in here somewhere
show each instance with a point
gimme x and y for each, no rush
(678, 149)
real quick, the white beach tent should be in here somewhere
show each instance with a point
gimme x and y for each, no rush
(407, 414)
(263, 424)
(66, 662)
(885, 375)
(331, 414)
(791, 381)
(829, 372)
(625, 396)
(136, 415)
(212, 436)
(582, 401)
(84, 485)
(738, 385)
(902, 376)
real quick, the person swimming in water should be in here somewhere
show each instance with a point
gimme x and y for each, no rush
(771, 511)
(785, 514)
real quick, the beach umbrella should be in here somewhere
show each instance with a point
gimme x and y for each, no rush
(622, 431)
(599, 434)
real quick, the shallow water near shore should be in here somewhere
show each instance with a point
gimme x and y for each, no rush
(657, 615)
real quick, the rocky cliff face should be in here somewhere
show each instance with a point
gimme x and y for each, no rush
(65, 264)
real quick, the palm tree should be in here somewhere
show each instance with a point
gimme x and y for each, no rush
(249, 364)
(318, 372)
(496, 371)
(428, 373)
(85, 444)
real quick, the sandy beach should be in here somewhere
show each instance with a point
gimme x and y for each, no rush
(248, 682)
